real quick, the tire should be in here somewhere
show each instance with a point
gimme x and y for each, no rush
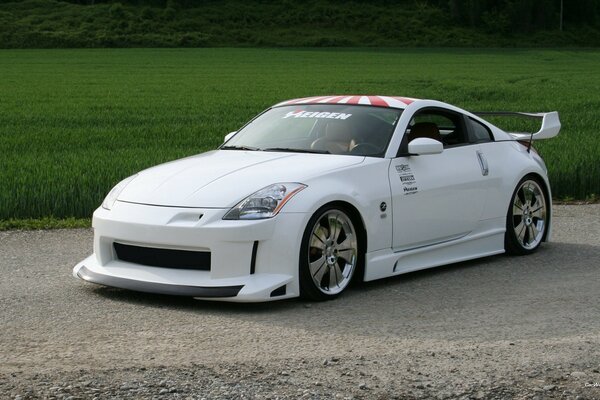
(527, 217)
(330, 253)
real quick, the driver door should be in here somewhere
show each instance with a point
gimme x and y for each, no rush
(437, 197)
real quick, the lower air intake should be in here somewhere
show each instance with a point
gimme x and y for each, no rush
(165, 258)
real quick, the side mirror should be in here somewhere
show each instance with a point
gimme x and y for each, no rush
(229, 136)
(423, 146)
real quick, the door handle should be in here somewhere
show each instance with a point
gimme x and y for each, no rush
(482, 163)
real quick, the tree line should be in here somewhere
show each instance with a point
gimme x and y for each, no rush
(365, 23)
(523, 16)
(495, 15)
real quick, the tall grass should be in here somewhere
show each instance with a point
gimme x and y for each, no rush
(74, 122)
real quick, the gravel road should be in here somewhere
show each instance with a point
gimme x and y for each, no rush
(499, 327)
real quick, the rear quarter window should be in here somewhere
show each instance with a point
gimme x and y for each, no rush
(479, 133)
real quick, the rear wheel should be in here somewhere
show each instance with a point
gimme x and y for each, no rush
(329, 254)
(527, 219)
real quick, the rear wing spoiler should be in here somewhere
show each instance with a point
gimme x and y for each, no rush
(550, 124)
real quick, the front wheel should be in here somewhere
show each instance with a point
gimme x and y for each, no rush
(329, 254)
(527, 219)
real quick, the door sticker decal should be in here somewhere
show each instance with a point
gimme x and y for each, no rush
(409, 182)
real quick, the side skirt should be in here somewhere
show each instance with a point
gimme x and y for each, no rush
(386, 263)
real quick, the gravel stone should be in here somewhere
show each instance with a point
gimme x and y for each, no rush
(62, 338)
(578, 374)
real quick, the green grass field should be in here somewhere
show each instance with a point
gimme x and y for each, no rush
(74, 122)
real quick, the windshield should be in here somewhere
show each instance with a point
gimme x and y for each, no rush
(327, 128)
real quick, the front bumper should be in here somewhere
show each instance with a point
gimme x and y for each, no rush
(89, 275)
(197, 284)
(250, 260)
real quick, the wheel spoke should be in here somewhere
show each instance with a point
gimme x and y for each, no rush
(348, 243)
(534, 200)
(318, 269)
(530, 235)
(346, 255)
(530, 194)
(315, 253)
(334, 228)
(525, 240)
(519, 201)
(520, 231)
(534, 231)
(517, 211)
(339, 273)
(333, 281)
(323, 226)
(519, 226)
(320, 235)
(517, 220)
(521, 196)
(538, 213)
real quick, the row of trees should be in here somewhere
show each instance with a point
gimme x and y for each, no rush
(395, 23)
(522, 16)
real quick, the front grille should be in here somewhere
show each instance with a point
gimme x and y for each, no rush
(165, 258)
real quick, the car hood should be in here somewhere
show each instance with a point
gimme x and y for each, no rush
(221, 178)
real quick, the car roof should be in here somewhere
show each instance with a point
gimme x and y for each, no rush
(395, 102)
(368, 100)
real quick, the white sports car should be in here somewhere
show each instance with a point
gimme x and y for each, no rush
(315, 192)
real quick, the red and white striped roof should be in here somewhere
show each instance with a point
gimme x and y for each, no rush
(380, 101)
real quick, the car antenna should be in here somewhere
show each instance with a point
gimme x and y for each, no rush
(529, 144)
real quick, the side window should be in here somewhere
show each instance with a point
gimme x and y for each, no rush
(479, 133)
(444, 126)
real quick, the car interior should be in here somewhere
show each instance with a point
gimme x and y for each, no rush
(442, 126)
(366, 135)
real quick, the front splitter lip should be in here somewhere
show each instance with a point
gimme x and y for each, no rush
(159, 288)
(189, 283)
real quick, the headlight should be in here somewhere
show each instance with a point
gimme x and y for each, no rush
(112, 196)
(265, 203)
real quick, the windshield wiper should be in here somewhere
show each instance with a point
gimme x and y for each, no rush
(239, 148)
(296, 150)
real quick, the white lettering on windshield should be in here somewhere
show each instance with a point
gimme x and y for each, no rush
(308, 114)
